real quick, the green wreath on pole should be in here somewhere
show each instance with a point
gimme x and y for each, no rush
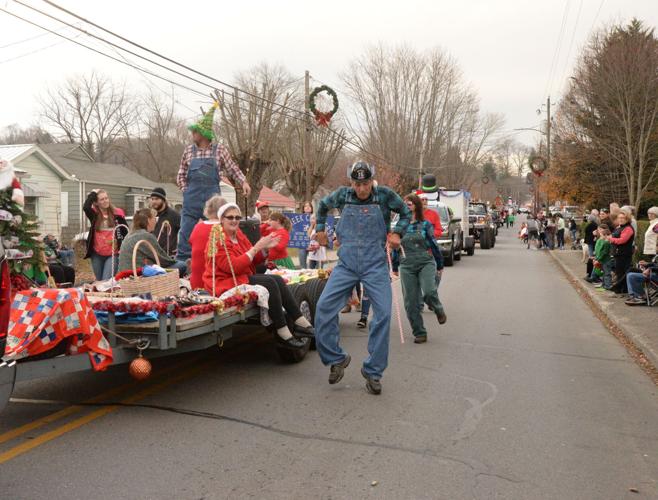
(538, 165)
(322, 118)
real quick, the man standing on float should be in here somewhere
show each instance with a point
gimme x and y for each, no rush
(200, 172)
(363, 232)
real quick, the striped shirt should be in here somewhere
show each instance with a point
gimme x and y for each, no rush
(225, 164)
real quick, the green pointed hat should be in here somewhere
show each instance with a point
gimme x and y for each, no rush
(204, 125)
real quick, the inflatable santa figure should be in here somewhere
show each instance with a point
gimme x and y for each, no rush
(8, 180)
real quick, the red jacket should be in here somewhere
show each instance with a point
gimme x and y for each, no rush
(281, 250)
(265, 229)
(199, 242)
(242, 265)
(433, 218)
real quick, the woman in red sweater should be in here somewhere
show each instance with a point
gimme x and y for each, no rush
(236, 256)
(199, 240)
(280, 227)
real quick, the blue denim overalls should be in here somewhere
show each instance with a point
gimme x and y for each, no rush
(362, 257)
(202, 184)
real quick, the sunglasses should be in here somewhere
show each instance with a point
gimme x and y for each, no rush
(232, 217)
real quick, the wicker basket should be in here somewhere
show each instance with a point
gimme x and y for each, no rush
(163, 285)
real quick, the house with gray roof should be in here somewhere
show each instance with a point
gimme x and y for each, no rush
(58, 177)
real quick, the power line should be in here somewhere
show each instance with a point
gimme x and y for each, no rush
(41, 49)
(41, 35)
(112, 44)
(125, 62)
(98, 51)
(556, 53)
(573, 36)
(135, 44)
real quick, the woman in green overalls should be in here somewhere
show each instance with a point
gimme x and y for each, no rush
(418, 267)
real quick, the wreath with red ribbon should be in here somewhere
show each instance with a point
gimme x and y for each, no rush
(322, 118)
(538, 165)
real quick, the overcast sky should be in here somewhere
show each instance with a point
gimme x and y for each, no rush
(504, 47)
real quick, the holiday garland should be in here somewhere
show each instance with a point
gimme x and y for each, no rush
(175, 309)
(322, 118)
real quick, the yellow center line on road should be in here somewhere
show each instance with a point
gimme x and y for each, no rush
(74, 424)
(53, 417)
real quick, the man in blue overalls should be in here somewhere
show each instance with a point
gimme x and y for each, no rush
(199, 175)
(362, 231)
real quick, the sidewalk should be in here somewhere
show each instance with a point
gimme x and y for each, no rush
(637, 323)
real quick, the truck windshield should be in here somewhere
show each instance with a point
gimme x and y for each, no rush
(477, 210)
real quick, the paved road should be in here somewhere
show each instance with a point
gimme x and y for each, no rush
(521, 395)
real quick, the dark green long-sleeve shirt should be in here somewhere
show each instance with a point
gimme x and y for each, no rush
(388, 200)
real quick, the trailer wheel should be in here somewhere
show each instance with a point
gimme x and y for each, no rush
(7, 380)
(313, 290)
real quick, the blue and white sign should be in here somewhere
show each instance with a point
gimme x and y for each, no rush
(299, 231)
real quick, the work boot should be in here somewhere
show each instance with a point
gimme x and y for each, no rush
(337, 371)
(441, 316)
(373, 385)
(420, 339)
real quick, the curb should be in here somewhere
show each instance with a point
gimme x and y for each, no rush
(636, 343)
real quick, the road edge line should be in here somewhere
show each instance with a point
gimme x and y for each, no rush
(641, 353)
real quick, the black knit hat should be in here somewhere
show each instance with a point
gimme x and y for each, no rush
(159, 193)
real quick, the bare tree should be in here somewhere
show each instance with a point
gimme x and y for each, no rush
(252, 126)
(610, 114)
(412, 104)
(90, 110)
(13, 134)
(323, 149)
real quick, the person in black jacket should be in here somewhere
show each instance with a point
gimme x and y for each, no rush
(104, 219)
(589, 241)
(167, 237)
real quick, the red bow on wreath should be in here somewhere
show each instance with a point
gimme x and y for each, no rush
(322, 118)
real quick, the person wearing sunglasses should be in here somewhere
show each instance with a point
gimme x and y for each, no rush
(235, 264)
(363, 232)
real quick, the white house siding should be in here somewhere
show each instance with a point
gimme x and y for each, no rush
(48, 208)
(75, 210)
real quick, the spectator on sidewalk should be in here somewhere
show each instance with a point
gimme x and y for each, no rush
(573, 231)
(602, 257)
(561, 226)
(317, 254)
(651, 236)
(622, 240)
(589, 240)
(167, 236)
(635, 282)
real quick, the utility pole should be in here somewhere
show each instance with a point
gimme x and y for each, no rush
(548, 142)
(420, 171)
(307, 136)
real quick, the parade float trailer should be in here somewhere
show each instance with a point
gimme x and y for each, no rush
(38, 315)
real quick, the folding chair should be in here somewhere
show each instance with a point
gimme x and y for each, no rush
(651, 286)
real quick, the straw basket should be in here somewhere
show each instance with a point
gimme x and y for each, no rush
(163, 285)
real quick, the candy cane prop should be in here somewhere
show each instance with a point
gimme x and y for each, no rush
(114, 248)
(396, 299)
(168, 226)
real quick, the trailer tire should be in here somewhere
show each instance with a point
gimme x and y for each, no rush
(7, 381)
(314, 289)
